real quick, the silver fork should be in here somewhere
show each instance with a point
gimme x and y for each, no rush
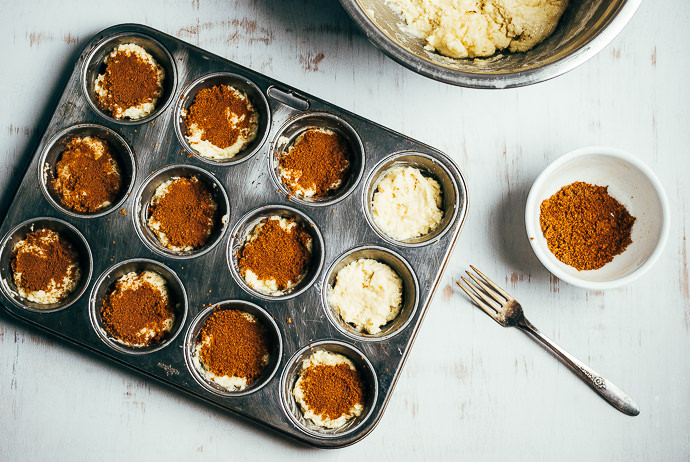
(506, 311)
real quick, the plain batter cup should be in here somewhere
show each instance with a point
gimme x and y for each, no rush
(452, 200)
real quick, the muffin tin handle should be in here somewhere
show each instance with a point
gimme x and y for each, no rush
(288, 97)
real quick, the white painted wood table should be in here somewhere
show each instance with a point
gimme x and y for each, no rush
(470, 390)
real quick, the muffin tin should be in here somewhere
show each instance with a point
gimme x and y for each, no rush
(246, 189)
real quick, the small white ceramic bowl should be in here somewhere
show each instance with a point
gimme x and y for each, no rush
(631, 183)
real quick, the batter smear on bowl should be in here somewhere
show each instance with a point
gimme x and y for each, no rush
(329, 389)
(221, 122)
(45, 267)
(132, 83)
(232, 350)
(584, 226)
(182, 214)
(475, 28)
(87, 176)
(138, 312)
(316, 164)
(275, 256)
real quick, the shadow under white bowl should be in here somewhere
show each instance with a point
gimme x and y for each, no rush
(630, 182)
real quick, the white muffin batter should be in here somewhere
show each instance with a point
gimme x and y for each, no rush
(407, 204)
(471, 28)
(325, 358)
(367, 294)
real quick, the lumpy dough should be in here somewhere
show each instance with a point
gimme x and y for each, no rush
(407, 204)
(475, 28)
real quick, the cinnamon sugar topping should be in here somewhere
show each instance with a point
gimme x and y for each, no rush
(87, 176)
(44, 267)
(183, 214)
(131, 84)
(221, 122)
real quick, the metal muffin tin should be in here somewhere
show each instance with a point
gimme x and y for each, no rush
(116, 241)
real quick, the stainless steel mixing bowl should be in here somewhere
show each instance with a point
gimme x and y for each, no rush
(586, 27)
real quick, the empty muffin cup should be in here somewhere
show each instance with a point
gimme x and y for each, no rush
(53, 154)
(94, 65)
(453, 200)
(292, 131)
(66, 231)
(248, 224)
(106, 284)
(244, 86)
(291, 374)
(274, 344)
(410, 290)
(154, 185)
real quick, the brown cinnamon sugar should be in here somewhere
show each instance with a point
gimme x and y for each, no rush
(138, 311)
(234, 344)
(332, 391)
(273, 252)
(87, 175)
(44, 262)
(584, 226)
(183, 213)
(131, 79)
(223, 114)
(316, 164)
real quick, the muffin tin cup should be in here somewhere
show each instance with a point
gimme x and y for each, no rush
(430, 167)
(148, 189)
(291, 372)
(94, 66)
(245, 226)
(67, 232)
(275, 349)
(293, 128)
(397, 263)
(52, 154)
(240, 83)
(105, 284)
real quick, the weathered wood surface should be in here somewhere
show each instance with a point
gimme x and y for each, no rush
(470, 390)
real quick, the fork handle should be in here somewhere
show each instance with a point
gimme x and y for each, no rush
(606, 389)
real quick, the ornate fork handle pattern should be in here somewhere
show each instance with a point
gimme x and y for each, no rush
(605, 388)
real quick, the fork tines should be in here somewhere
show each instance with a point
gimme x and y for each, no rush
(485, 293)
